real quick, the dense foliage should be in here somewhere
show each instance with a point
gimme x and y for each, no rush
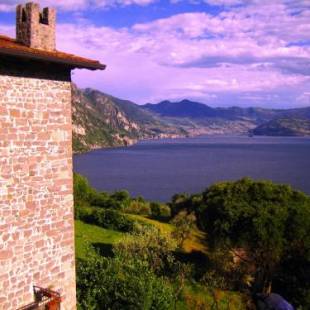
(121, 283)
(257, 236)
(86, 196)
(264, 227)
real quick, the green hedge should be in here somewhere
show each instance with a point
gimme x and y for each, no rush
(106, 218)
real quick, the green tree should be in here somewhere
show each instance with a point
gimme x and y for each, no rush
(150, 246)
(121, 198)
(184, 202)
(184, 223)
(259, 222)
(160, 211)
(139, 206)
(156, 251)
(82, 190)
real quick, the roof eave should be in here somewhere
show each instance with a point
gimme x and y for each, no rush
(74, 64)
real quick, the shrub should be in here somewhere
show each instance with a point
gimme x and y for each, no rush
(117, 284)
(184, 223)
(184, 202)
(82, 190)
(139, 207)
(160, 211)
(83, 213)
(106, 218)
(99, 199)
(121, 199)
(148, 245)
(165, 211)
(155, 208)
(112, 219)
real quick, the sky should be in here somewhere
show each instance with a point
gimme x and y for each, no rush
(219, 52)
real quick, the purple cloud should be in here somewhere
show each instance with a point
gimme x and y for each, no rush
(73, 5)
(254, 53)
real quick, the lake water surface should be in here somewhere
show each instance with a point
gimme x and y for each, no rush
(158, 169)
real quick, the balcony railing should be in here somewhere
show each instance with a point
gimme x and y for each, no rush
(45, 299)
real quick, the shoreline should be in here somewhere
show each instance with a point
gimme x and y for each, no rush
(174, 137)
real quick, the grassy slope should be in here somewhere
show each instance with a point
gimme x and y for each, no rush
(90, 234)
(163, 227)
(194, 297)
(195, 242)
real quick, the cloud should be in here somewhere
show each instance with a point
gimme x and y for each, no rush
(230, 3)
(140, 64)
(248, 54)
(227, 3)
(73, 5)
(224, 2)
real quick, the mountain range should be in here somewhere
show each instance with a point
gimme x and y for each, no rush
(101, 120)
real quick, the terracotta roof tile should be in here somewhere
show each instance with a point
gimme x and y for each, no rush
(10, 47)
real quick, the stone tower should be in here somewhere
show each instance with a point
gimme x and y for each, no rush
(36, 29)
(37, 263)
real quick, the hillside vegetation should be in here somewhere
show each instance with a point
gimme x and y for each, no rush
(284, 127)
(212, 250)
(101, 120)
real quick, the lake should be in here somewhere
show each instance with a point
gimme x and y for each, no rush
(160, 168)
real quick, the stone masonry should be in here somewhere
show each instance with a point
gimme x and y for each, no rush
(36, 181)
(36, 29)
(36, 202)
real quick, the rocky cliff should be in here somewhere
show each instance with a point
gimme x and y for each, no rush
(100, 120)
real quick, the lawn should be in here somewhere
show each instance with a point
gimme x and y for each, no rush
(102, 239)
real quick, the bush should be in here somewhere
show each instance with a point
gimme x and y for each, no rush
(184, 223)
(160, 211)
(121, 199)
(83, 213)
(150, 246)
(165, 211)
(85, 195)
(101, 200)
(82, 190)
(117, 284)
(110, 219)
(184, 202)
(139, 207)
(106, 218)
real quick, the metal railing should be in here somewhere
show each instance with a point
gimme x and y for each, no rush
(45, 299)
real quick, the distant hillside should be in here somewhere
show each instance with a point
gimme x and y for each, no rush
(284, 127)
(196, 110)
(100, 120)
(198, 118)
(184, 108)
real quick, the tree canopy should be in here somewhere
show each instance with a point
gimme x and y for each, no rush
(261, 222)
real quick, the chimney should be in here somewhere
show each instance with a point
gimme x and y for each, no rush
(35, 28)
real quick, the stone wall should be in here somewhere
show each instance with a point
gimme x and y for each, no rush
(36, 201)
